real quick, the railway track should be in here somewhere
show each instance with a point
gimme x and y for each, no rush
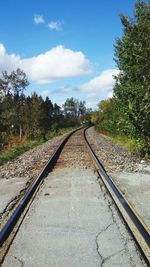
(63, 157)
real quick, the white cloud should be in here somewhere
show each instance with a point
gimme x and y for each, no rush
(45, 93)
(55, 25)
(2, 49)
(38, 19)
(8, 62)
(63, 90)
(110, 94)
(100, 87)
(55, 64)
(102, 83)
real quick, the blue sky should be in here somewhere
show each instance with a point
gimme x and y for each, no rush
(64, 46)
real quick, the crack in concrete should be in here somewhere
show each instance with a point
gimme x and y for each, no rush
(109, 257)
(21, 262)
(103, 260)
(110, 203)
(97, 245)
(124, 239)
(8, 206)
(13, 201)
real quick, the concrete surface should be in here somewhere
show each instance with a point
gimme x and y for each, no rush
(9, 189)
(136, 187)
(71, 223)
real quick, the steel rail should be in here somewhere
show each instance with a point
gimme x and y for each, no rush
(140, 227)
(8, 227)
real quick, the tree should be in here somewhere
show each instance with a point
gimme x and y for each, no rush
(71, 107)
(74, 107)
(36, 103)
(45, 116)
(57, 118)
(82, 108)
(74, 111)
(111, 119)
(132, 54)
(13, 83)
(12, 87)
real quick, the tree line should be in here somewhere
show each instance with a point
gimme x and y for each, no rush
(32, 116)
(128, 112)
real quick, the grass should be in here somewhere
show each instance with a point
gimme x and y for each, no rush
(132, 145)
(17, 149)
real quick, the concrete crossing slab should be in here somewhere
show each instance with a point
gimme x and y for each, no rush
(71, 223)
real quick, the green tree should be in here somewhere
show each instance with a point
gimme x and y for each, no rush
(74, 107)
(111, 118)
(45, 116)
(12, 99)
(132, 55)
(81, 108)
(36, 104)
(57, 118)
(13, 83)
(71, 107)
(74, 111)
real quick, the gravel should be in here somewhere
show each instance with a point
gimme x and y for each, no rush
(29, 164)
(74, 153)
(114, 157)
(17, 175)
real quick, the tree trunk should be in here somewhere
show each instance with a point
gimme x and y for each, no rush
(20, 132)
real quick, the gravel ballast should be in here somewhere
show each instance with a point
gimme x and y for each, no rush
(116, 160)
(29, 163)
(17, 175)
(76, 221)
(113, 156)
(131, 174)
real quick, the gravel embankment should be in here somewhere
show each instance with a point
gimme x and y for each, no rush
(114, 157)
(17, 175)
(29, 164)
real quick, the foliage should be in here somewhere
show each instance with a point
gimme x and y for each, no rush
(127, 114)
(132, 54)
(36, 117)
(12, 87)
(16, 150)
(32, 117)
(74, 110)
(112, 119)
(27, 144)
(131, 144)
(13, 83)
(73, 107)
